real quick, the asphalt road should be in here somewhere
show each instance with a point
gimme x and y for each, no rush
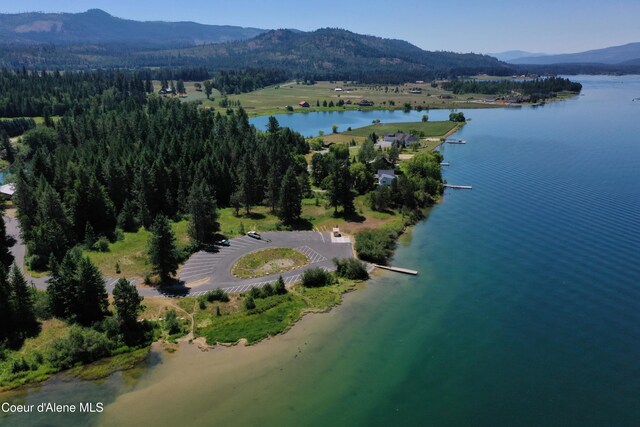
(208, 270)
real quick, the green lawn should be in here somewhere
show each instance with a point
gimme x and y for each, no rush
(131, 252)
(430, 129)
(268, 261)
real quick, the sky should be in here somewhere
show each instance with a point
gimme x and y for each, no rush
(549, 26)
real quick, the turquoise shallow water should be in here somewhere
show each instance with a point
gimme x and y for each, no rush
(526, 310)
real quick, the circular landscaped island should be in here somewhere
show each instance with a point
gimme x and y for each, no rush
(268, 261)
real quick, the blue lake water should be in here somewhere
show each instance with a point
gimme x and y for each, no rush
(526, 310)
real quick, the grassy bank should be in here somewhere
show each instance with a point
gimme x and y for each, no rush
(230, 322)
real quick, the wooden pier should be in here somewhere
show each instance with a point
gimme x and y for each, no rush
(458, 187)
(455, 141)
(397, 269)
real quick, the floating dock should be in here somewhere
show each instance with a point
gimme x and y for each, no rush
(455, 141)
(397, 269)
(458, 187)
(444, 164)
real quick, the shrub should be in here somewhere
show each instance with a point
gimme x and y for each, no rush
(351, 268)
(171, 323)
(375, 245)
(316, 277)
(278, 287)
(216, 295)
(249, 303)
(82, 345)
(101, 245)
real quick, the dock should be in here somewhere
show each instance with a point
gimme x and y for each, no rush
(455, 141)
(444, 164)
(397, 269)
(458, 187)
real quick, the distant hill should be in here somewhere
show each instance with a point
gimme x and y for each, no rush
(335, 54)
(510, 55)
(328, 53)
(99, 27)
(627, 54)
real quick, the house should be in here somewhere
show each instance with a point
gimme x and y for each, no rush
(7, 190)
(365, 103)
(385, 176)
(401, 139)
(419, 82)
(489, 99)
(381, 162)
(348, 102)
(415, 91)
(338, 89)
(167, 91)
(304, 104)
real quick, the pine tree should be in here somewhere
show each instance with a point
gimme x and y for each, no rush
(6, 257)
(24, 318)
(204, 214)
(162, 249)
(92, 293)
(279, 286)
(6, 308)
(127, 302)
(290, 198)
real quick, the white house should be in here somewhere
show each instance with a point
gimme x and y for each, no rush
(385, 177)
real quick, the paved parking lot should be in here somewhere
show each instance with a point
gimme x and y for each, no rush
(207, 270)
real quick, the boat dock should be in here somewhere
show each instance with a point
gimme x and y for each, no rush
(455, 141)
(397, 269)
(458, 187)
(444, 164)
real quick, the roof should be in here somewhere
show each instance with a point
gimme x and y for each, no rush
(8, 189)
(385, 172)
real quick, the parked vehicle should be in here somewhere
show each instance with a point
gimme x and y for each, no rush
(254, 234)
(223, 242)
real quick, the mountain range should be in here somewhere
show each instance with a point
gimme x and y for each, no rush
(628, 54)
(97, 26)
(96, 39)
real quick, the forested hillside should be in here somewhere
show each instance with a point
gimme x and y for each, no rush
(118, 160)
(325, 54)
(97, 26)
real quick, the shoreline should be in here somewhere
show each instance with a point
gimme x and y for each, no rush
(103, 368)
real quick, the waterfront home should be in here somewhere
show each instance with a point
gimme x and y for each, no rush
(385, 177)
(7, 191)
(365, 103)
(304, 104)
(401, 139)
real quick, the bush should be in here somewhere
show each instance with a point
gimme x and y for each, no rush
(216, 295)
(82, 345)
(249, 303)
(101, 245)
(171, 323)
(351, 268)
(375, 245)
(316, 277)
(279, 287)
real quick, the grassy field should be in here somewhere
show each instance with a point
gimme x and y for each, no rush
(268, 261)
(274, 99)
(131, 252)
(422, 129)
(272, 315)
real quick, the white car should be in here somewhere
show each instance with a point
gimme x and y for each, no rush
(254, 234)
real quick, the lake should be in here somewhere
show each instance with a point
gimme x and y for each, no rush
(526, 310)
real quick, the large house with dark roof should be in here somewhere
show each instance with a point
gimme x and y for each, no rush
(401, 139)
